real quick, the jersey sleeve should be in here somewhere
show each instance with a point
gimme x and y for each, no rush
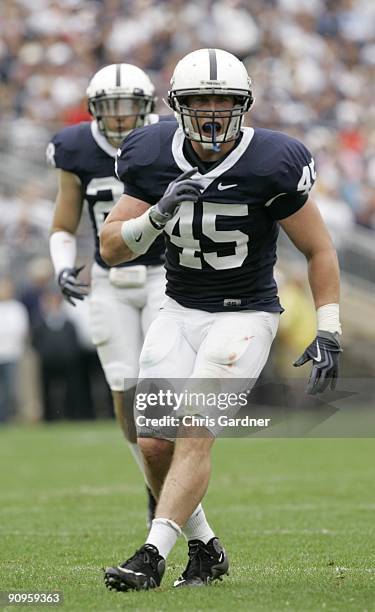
(292, 180)
(61, 152)
(135, 154)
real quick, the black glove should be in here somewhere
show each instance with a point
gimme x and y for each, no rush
(324, 352)
(179, 190)
(70, 285)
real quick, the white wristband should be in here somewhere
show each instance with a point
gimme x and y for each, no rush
(139, 234)
(63, 250)
(328, 318)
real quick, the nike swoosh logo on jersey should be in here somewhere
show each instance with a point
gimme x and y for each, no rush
(318, 357)
(139, 237)
(222, 187)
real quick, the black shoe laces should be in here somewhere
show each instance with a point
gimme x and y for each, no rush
(200, 561)
(144, 555)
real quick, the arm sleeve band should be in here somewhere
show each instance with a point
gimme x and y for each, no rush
(328, 318)
(139, 234)
(284, 205)
(63, 250)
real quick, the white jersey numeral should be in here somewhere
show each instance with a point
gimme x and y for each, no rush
(50, 155)
(308, 176)
(190, 246)
(210, 212)
(191, 255)
(101, 207)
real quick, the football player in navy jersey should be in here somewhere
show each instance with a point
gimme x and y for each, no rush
(219, 192)
(124, 299)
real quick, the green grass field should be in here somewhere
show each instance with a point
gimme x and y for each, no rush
(296, 517)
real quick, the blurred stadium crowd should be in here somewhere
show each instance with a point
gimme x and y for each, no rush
(312, 63)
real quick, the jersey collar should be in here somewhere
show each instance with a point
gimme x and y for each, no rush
(227, 163)
(101, 141)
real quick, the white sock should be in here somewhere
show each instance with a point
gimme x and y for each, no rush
(197, 527)
(163, 534)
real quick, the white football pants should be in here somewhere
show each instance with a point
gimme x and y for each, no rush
(119, 319)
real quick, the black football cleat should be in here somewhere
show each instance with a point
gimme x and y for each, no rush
(207, 562)
(151, 507)
(143, 571)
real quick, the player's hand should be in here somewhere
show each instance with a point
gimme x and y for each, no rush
(324, 352)
(71, 288)
(181, 189)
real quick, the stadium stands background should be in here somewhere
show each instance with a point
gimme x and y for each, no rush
(312, 63)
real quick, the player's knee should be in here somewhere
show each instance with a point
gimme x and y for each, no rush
(224, 351)
(198, 447)
(118, 375)
(123, 407)
(155, 450)
(99, 323)
(222, 354)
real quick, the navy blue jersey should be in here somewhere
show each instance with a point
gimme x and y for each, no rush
(221, 251)
(83, 150)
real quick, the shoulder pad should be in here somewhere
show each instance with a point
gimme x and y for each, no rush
(170, 117)
(283, 159)
(66, 146)
(143, 146)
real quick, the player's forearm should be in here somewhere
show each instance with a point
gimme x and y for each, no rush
(124, 240)
(324, 277)
(113, 249)
(69, 202)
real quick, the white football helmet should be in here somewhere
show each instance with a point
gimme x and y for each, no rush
(210, 72)
(120, 91)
